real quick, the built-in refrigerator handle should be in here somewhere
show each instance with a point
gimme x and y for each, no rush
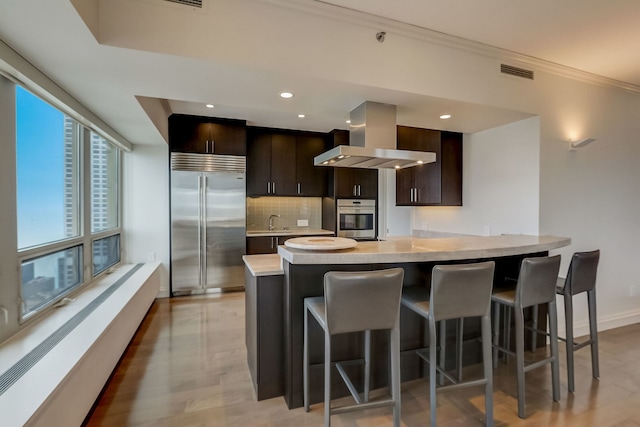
(203, 224)
(200, 229)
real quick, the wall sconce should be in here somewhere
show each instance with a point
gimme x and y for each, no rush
(579, 144)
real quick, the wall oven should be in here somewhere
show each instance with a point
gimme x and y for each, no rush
(356, 218)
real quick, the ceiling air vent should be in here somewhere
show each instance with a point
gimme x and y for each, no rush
(193, 3)
(516, 72)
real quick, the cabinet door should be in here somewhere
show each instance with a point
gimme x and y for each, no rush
(367, 180)
(259, 165)
(310, 180)
(451, 169)
(345, 181)
(262, 245)
(283, 161)
(356, 183)
(228, 137)
(188, 134)
(426, 186)
(404, 186)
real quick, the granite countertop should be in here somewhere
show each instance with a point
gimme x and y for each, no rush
(417, 249)
(289, 232)
(264, 264)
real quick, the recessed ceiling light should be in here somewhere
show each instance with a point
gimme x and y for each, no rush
(445, 116)
(301, 116)
(209, 105)
(286, 95)
(397, 166)
(420, 162)
(348, 121)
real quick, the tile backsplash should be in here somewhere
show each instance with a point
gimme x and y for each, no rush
(290, 209)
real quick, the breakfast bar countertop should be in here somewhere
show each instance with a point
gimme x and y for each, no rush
(416, 249)
(264, 264)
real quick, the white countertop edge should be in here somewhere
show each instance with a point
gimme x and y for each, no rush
(383, 253)
(263, 264)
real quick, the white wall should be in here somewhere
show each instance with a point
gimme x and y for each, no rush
(500, 185)
(146, 208)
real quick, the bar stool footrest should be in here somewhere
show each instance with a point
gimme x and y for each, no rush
(367, 405)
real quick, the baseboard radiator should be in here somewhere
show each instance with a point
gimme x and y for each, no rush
(56, 382)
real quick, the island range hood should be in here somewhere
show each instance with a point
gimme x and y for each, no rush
(372, 142)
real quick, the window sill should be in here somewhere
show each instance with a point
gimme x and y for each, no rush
(62, 386)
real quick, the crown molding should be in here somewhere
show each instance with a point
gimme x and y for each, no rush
(378, 23)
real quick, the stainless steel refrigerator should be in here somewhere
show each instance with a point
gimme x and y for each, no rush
(208, 210)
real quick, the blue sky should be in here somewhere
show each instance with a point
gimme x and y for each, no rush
(40, 170)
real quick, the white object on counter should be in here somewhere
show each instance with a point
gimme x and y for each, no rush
(321, 243)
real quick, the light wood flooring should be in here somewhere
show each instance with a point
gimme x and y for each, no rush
(186, 366)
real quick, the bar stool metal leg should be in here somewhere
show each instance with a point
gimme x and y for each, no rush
(367, 363)
(568, 316)
(553, 332)
(488, 372)
(327, 380)
(305, 363)
(519, 324)
(593, 333)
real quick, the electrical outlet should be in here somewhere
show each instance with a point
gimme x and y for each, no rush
(303, 223)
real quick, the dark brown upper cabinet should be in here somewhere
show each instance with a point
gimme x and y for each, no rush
(271, 161)
(432, 184)
(207, 135)
(310, 180)
(280, 163)
(350, 183)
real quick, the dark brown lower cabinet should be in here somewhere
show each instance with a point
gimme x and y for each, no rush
(264, 333)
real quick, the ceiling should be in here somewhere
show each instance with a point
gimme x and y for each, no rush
(589, 35)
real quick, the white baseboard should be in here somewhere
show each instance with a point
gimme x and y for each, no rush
(604, 323)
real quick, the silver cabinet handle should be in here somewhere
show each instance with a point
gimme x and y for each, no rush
(417, 195)
(213, 146)
(358, 189)
(411, 195)
(298, 188)
(268, 188)
(273, 185)
(355, 192)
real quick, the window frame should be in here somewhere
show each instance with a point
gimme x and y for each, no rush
(86, 238)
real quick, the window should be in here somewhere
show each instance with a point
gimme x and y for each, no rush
(49, 277)
(47, 172)
(106, 252)
(104, 184)
(60, 216)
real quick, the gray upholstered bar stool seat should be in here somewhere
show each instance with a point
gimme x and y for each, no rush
(536, 285)
(457, 291)
(581, 277)
(355, 302)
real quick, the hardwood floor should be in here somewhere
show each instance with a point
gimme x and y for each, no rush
(186, 366)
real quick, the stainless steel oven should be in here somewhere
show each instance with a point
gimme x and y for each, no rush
(356, 218)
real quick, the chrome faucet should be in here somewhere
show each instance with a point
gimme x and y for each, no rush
(271, 227)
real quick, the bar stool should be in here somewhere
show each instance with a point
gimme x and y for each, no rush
(536, 285)
(581, 277)
(414, 297)
(458, 291)
(354, 302)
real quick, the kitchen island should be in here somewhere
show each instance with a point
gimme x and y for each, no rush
(303, 277)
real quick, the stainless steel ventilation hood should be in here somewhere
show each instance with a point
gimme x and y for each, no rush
(372, 142)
